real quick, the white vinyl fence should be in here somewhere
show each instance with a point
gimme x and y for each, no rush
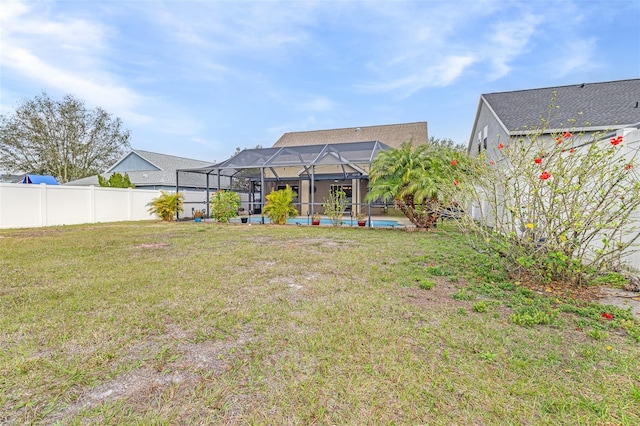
(23, 206)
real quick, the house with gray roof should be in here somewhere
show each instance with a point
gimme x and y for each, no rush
(584, 108)
(152, 170)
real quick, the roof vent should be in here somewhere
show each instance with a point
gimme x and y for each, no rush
(582, 85)
(637, 104)
(358, 129)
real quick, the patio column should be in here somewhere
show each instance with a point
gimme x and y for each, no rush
(262, 194)
(313, 186)
(208, 196)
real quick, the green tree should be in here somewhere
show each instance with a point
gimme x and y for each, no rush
(280, 205)
(420, 180)
(116, 180)
(225, 205)
(60, 138)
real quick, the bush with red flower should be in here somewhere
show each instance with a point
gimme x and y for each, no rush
(562, 215)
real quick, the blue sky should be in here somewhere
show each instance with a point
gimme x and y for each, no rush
(200, 78)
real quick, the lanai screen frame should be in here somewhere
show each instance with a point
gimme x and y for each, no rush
(356, 155)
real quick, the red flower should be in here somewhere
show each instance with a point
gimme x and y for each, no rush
(545, 175)
(559, 140)
(491, 163)
(566, 135)
(456, 182)
(454, 162)
(607, 315)
(627, 167)
(538, 160)
(572, 150)
(432, 264)
(616, 141)
(500, 146)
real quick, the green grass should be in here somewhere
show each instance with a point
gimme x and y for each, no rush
(150, 323)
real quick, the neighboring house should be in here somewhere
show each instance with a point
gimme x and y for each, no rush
(151, 170)
(10, 178)
(321, 160)
(592, 112)
(582, 108)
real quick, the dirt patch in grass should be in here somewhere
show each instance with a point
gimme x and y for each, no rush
(152, 245)
(181, 363)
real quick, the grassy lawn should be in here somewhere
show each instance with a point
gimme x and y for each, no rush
(202, 323)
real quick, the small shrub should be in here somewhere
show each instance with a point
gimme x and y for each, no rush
(480, 306)
(530, 316)
(167, 205)
(463, 294)
(335, 205)
(426, 284)
(437, 271)
(598, 334)
(225, 205)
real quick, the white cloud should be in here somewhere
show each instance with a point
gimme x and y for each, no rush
(509, 40)
(319, 103)
(63, 54)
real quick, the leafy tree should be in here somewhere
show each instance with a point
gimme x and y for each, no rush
(116, 180)
(280, 205)
(419, 179)
(225, 205)
(60, 138)
(167, 205)
(446, 143)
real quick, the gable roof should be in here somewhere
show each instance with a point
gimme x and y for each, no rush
(164, 175)
(594, 106)
(392, 135)
(163, 162)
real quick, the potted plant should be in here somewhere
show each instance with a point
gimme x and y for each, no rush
(315, 219)
(361, 218)
(198, 215)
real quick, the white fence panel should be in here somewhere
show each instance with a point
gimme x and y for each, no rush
(23, 206)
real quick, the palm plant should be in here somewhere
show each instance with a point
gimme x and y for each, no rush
(280, 205)
(419, 179)
(167, 205)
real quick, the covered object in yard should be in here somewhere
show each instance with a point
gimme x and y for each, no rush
(37, 179)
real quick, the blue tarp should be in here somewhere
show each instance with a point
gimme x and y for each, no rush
(49, 180)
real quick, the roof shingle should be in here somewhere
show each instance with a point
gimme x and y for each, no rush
(593, 105)
(391, 134)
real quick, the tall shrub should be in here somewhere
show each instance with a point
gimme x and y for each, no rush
(225, 205)
(559, 207)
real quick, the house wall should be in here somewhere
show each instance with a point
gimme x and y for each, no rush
(487, 127)
(49, 205)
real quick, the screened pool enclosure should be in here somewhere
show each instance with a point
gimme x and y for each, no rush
(311, 170)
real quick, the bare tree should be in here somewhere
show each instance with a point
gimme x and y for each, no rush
(60, 138)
